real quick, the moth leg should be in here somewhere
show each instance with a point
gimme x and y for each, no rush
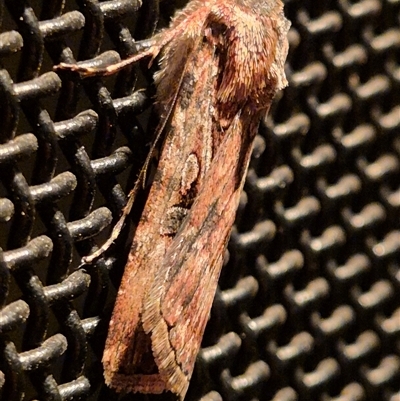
(146, 48)
(87, 71)
(120, 223)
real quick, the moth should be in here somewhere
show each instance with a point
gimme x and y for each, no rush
(222, 61)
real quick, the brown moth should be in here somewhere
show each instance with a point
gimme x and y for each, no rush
(222, 63)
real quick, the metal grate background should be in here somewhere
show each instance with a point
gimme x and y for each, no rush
(308, 307)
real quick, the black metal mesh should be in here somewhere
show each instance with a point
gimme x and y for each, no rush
(308, 305)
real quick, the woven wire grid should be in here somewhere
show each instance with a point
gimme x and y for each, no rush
(307, 307)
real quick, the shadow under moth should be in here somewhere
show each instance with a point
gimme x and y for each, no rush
(222, 61)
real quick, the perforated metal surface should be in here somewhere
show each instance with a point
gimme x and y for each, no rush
(308, 306)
